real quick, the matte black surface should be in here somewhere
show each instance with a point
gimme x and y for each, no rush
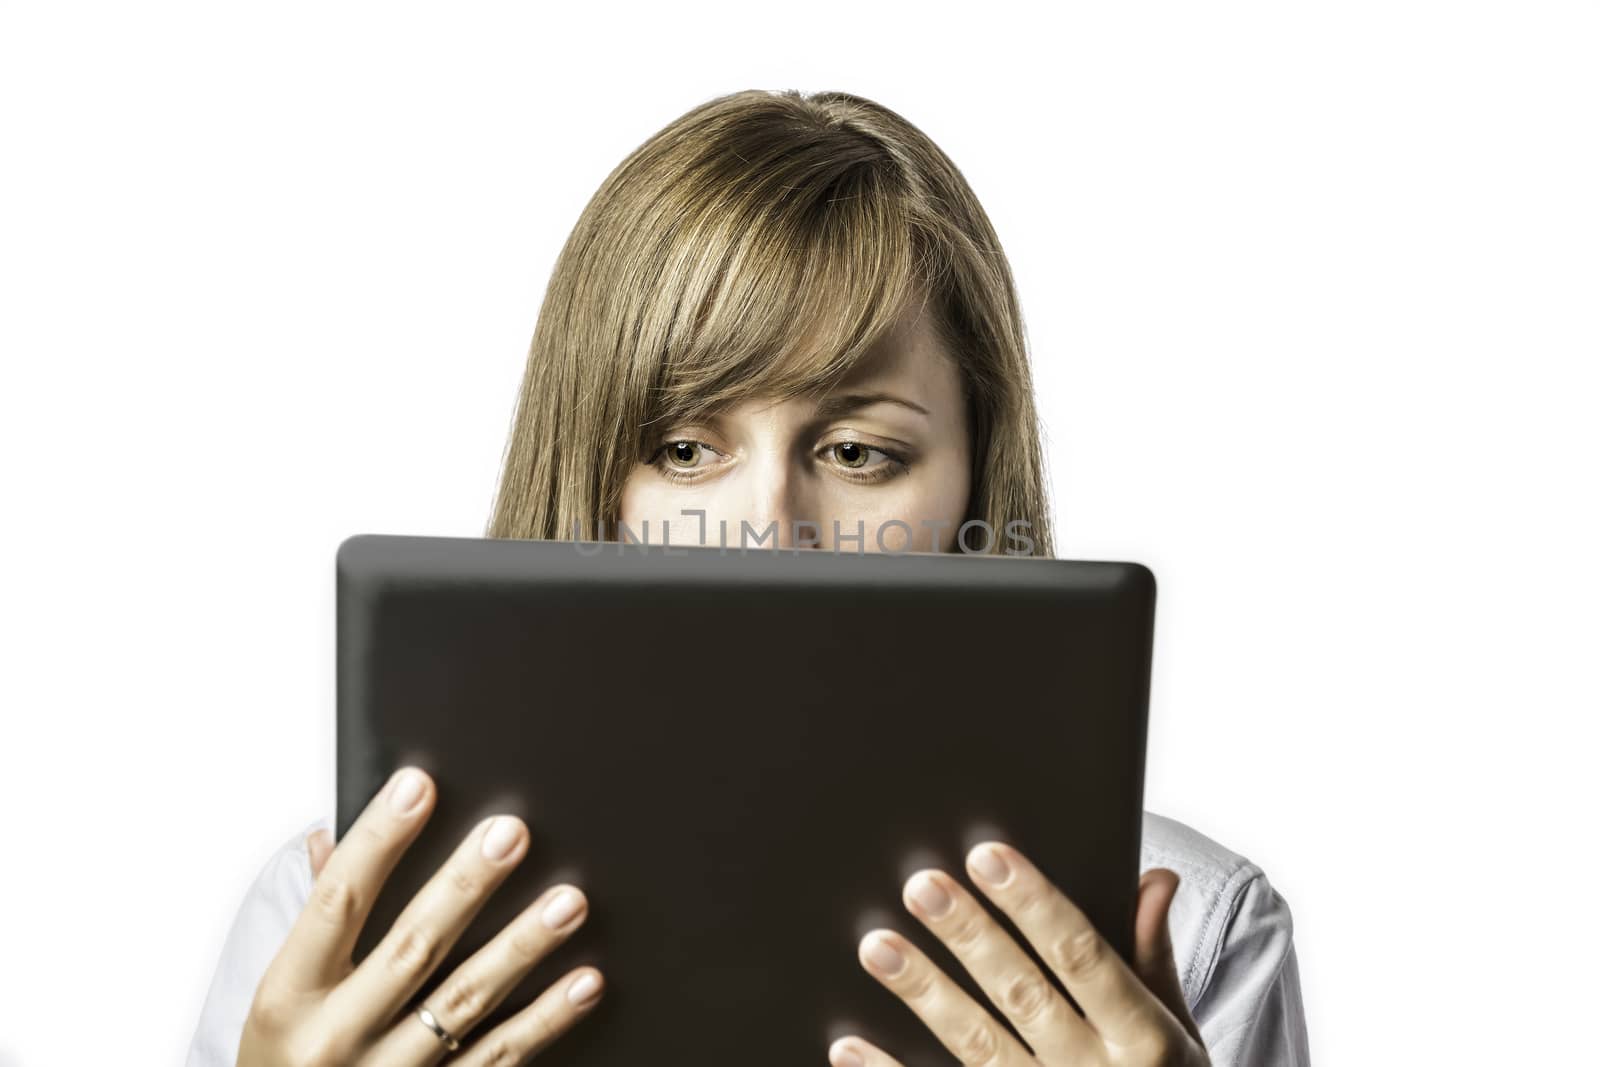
(740, 757)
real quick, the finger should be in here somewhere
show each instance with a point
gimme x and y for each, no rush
(1116, 1003)
(319, 846)
(854, 1052)
(431, 922)
(1007, 974)
(316, 954)
(477, 987)
(534, 1027)
(1152, 952)
(961, 1024)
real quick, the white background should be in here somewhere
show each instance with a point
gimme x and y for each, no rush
(1314, 299)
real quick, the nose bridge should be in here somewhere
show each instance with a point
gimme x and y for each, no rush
(778, 495)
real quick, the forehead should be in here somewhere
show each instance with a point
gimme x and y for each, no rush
(911, 361)
(911, 351)
(905, 351)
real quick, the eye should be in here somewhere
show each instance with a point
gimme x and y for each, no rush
(683, 453)
(852, 453)
(683, 459)
(863, 463)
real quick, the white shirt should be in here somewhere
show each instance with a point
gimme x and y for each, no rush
(1232, 937)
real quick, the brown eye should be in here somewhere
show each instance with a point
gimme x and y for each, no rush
(850, 454)
(683, 453)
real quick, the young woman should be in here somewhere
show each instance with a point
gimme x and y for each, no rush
(785, 314)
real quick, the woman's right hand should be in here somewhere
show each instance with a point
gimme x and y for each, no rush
(314, 1008)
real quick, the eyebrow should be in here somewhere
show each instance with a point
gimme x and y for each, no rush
(834, 406)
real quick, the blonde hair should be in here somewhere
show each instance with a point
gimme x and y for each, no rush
(758, 246)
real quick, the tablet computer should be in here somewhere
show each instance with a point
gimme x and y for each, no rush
(740, 755)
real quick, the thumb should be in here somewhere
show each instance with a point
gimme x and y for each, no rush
(320, 846)
(1152, 950)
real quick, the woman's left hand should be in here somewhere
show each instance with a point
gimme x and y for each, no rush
(1132, 1016)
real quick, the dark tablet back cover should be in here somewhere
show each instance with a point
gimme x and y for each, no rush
(740, 757)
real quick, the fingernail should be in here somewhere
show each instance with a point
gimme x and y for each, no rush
(584, 989)
(405, 792)
(990, 865)
(500, 838)
(562, 907)
(930, 895)
(845, 1055)
(884, 957)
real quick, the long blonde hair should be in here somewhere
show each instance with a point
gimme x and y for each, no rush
(758, 246)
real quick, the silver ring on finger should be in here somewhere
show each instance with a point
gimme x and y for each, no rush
(431, 1021)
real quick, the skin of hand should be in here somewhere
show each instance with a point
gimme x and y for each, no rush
(316, 1008)
(1131, 1016)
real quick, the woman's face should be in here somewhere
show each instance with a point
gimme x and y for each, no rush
(889, 444)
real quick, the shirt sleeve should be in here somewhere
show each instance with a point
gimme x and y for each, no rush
(270, 907)
(1250, 1012)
